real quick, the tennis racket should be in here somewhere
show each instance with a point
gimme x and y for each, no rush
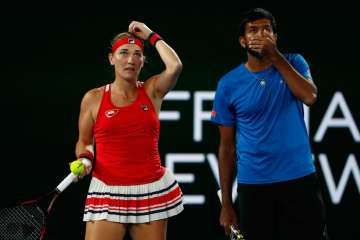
(27, 220)
(234, 233)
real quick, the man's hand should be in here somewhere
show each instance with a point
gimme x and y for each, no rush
(265, 46)
(228, 218)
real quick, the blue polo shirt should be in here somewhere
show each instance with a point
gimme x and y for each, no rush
(272, 143)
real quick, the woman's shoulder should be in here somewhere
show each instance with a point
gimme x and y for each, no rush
(94, 94)
(98, 90)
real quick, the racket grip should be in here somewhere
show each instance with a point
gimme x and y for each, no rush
(219, 195)
(66, 182)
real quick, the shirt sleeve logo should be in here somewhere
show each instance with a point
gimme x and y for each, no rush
(213, 113)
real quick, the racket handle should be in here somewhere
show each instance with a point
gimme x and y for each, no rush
(219, 195)
(66, 182)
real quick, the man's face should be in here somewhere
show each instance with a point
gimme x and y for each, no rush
(256, 30)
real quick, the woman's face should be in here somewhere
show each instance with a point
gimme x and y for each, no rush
(128, 60)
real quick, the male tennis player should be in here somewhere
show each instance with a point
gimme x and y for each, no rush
(259, 110)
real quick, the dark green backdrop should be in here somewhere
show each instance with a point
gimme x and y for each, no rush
(51, 58)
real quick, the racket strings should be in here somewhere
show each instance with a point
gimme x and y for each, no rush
(21, 223)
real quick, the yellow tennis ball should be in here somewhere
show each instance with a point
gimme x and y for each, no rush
(77, 167)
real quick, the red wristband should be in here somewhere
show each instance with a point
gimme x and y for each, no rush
(153, 38)
(87, 154)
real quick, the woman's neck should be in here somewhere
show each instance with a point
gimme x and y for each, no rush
(124, 88)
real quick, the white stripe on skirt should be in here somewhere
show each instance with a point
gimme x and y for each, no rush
(135, 203)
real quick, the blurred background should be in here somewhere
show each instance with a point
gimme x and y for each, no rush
(50, 58)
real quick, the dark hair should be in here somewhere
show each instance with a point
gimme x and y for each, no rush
(253, 15)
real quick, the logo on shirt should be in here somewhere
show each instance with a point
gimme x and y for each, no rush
(144, 107)
(111, 112)
(213, 113)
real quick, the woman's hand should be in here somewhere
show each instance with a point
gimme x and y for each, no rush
(140, 30)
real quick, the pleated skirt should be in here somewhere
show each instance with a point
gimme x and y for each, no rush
(135, 203)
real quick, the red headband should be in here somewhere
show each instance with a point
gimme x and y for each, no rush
(126, 40)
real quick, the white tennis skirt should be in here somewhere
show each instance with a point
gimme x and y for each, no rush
(135, 203)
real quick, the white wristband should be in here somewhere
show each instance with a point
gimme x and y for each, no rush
(86, 162)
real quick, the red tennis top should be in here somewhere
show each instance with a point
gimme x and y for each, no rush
(126, 141)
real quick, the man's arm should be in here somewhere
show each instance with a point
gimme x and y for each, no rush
(227, 174)
(303, 88)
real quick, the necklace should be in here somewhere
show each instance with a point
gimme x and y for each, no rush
(261, 76)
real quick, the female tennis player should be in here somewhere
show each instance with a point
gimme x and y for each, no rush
(130, 190)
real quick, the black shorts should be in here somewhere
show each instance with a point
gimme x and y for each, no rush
(282, 211)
